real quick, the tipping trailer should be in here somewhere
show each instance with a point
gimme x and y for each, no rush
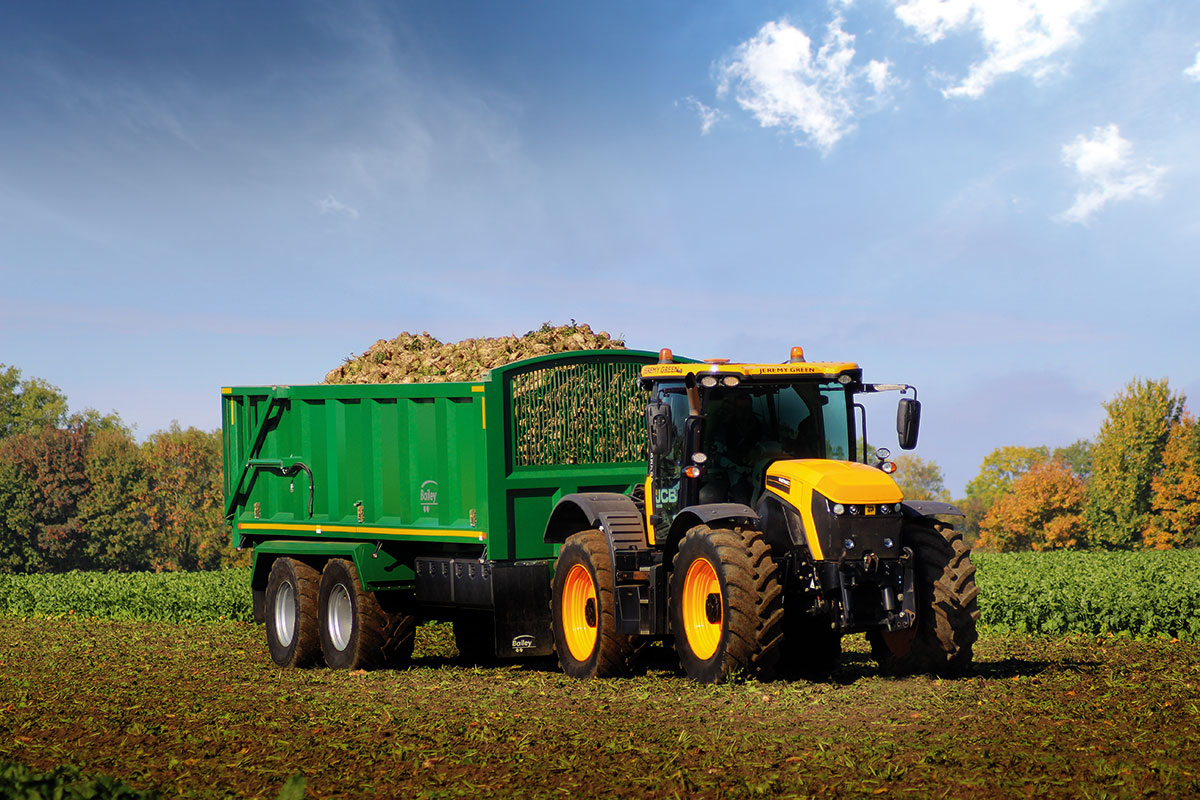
(582, 503)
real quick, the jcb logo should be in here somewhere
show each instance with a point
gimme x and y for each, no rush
(666, 496)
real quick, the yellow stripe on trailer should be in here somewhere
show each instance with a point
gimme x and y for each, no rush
(479, 536)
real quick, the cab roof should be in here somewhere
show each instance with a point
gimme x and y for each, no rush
(803, 369)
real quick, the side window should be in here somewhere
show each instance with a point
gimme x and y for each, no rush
(837, 425)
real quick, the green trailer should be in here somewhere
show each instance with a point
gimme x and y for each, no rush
(586, 503)
(430, 499)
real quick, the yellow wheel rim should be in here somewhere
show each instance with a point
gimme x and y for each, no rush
(703, 633)
(579, 626)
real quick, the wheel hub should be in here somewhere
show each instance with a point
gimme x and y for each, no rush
(712, 608)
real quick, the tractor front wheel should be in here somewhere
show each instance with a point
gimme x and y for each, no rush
(726, 605)
(947, 609)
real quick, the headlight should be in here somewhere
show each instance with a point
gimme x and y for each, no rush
(839, 509)
(708, 381)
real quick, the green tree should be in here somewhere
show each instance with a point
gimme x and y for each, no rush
(1125, 458)
(919, 478)
(1042, 511)
(1000, 469)
(27, 406)
(1175, 498)
(1078, 456)
(182, 499)
(116, 531)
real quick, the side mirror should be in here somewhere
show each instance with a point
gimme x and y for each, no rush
(908, 422)
(659, 427)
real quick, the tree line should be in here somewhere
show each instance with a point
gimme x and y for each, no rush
(1137, 485)
(77, 491)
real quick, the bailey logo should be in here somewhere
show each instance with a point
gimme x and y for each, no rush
(521, 643)
(429, 491)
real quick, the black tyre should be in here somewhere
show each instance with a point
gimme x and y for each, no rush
(947, 608)
(726, 605)
(475, 637)
(812, 647)
(357, 631)
(290, 613)
(583, 609)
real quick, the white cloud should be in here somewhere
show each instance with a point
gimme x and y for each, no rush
(1193, 71)
(778, 78)
(1020, 36)
(708, 116)
(331, 205)
(1107, 173)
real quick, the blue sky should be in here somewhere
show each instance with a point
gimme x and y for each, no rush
(995, 201)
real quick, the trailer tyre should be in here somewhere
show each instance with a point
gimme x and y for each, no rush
(357, 632)
(726, 605)
(947, 607)
(290, 613)
(582, 606)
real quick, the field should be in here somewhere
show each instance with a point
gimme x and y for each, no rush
(1085, 685)
(200, 710)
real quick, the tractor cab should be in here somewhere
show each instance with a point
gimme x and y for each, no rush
(724, 433)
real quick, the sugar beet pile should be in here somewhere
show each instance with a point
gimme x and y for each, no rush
(412, 358)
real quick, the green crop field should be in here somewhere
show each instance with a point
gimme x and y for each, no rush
(101, 673)
(1151, 593)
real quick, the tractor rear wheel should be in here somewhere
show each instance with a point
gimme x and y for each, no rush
(947, 608)
(583, 608)
(291, 613)
(357, 632)
(726, 605)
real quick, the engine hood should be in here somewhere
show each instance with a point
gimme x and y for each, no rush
(839, 481)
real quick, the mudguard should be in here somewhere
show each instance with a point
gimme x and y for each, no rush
(929, 508)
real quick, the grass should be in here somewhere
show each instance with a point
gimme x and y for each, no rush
(200, 710)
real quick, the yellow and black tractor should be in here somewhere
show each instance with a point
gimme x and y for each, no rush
(763, 534)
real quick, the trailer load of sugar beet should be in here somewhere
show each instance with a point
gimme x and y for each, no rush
(413, 358)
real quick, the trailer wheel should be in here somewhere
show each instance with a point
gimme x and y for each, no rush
(290, 611)
(947, 609)
(356, 630)
(582, 606)
(811, 647)
(726, 605)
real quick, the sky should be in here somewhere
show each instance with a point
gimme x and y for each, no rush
(995, 201)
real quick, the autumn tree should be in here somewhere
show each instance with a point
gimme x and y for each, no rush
(42, 482)
(1125, 458)
(1042, 511)
(919, 478)
(182, 499)
(1175, 490)
(27, 406)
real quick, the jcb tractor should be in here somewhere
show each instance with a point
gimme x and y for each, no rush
(761, 536)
